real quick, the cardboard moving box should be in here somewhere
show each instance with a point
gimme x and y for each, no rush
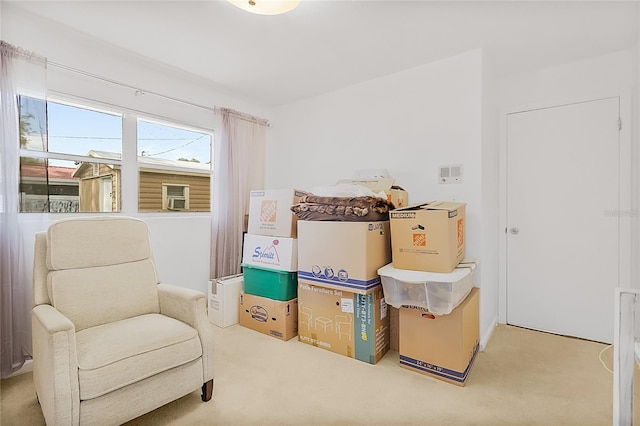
(270, 212)
(279, 253)
(428, 237)
(343, 255)
(443, 347)
(271, 317)
(350, 324)
(397, 195)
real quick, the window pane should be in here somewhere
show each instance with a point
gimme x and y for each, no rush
(158, 187)
(33, 123)
(59, 186)
(46, 187)
(82, 131)
(165, 185)
(172, 146)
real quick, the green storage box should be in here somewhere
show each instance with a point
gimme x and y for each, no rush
(270, 283)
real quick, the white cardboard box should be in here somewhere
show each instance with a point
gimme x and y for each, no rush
(270, 212)
(279, 253)
(223, 299)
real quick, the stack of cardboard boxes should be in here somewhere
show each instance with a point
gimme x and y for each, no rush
(269, 303)
(432, 287)
(341, 306)
(333, 283)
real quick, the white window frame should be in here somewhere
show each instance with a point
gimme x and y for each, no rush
(128, 163)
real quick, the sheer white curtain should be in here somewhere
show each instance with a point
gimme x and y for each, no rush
(21, 72)
(238, 169)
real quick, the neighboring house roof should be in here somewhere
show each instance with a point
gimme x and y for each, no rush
(38, 171)
(150, 160)
(174, 163)
(104, 154)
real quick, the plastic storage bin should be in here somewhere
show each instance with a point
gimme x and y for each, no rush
(440, 293)
(270, 283)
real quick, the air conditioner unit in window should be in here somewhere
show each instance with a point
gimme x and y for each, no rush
(177, 204)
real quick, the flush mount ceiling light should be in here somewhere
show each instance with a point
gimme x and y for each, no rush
(266, 7)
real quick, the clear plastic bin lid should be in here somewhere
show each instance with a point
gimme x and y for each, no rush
(410, 276)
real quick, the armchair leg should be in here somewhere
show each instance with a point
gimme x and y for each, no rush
(207, 390)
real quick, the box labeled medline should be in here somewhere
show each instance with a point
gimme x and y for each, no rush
(343, 255)
(428, 237)
(279, 253)
(350, 324)
(272, 317)
(270, 212)
(444, 346)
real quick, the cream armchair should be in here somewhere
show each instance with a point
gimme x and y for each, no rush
(109, 342)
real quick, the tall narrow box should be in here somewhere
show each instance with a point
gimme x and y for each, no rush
(223, 300)
(443, 347)
(428, 237)
(270, 212)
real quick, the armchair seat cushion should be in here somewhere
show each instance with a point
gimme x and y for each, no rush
(114, 355)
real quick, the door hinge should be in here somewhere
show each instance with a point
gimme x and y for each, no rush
(619, 123)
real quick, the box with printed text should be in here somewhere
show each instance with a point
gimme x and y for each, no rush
(343, 255)
(270, 212)
(279, 253)
(428, 237)
(340, 321)
(441, 346)
(272, 317)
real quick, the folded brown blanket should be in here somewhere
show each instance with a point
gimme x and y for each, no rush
(354, 209)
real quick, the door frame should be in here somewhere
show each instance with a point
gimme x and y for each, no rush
(627, 161)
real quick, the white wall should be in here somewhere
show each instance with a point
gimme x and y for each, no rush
(614, 74)
(180, 241)
(490, 201)
(408, 123)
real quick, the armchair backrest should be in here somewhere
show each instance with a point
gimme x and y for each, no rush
(96, 270)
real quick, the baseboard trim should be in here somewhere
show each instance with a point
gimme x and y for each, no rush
(484, 340)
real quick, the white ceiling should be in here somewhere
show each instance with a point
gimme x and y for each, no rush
(325, 45)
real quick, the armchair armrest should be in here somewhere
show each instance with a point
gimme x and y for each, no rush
(190, 307)
(55, 366)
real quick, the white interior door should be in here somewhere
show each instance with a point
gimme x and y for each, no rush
(562, 222)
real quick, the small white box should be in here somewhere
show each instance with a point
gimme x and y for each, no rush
(279, 253)
(224, 297)
(439, 293)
